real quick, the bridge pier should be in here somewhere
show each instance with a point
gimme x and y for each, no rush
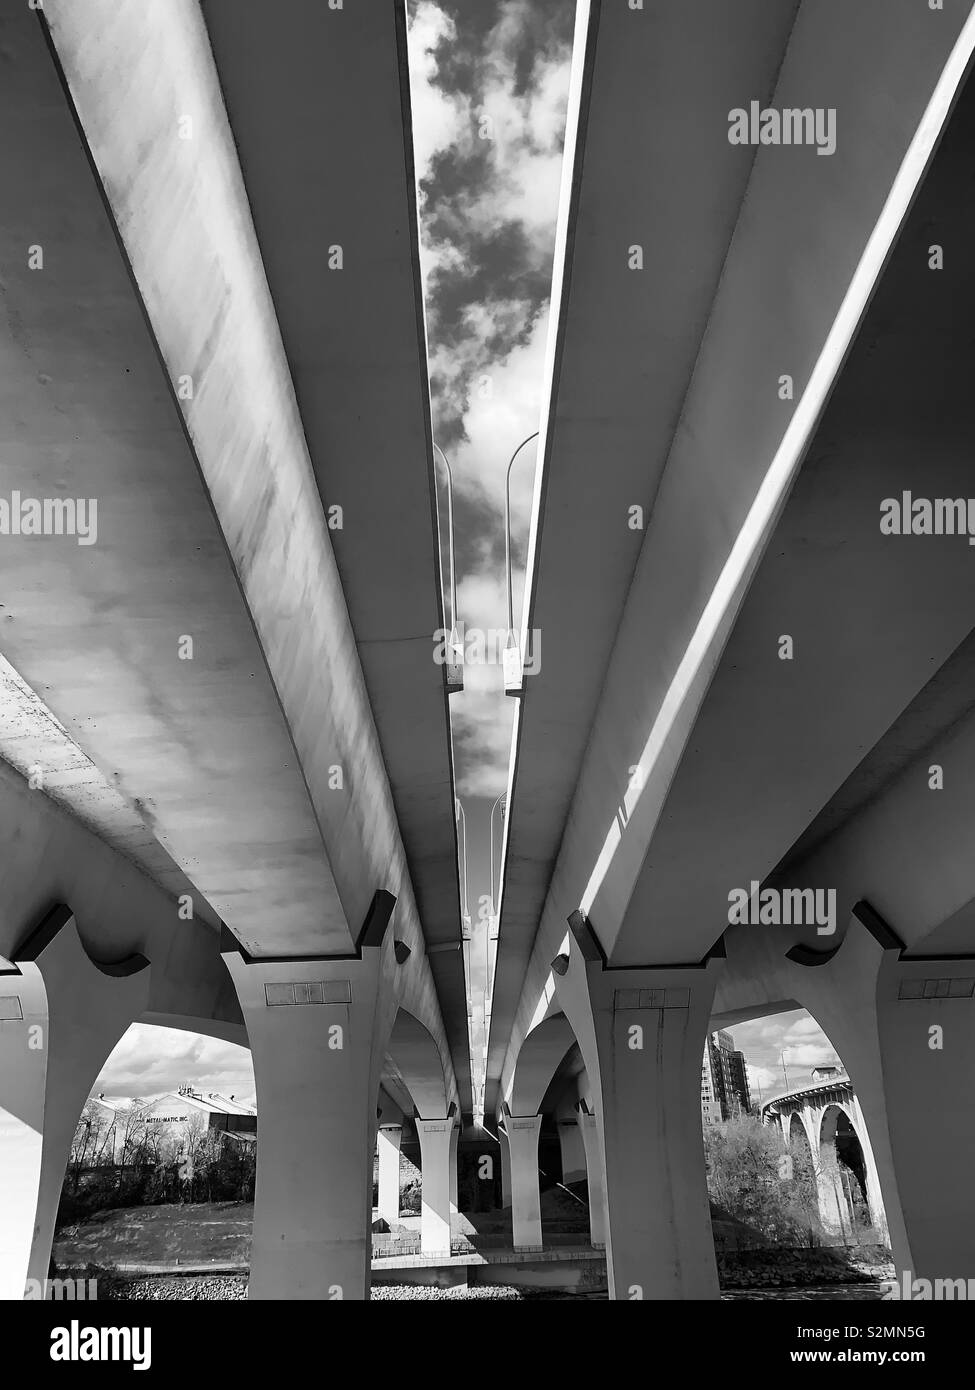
(526, 1210)
(926, 1023)
(594, 1177)
(905, 1028)
(641, 1033)
(389, 1142)
(875, 1196)
(835, 1213)
(505, 1167)
(785, 1122)
(437, 1144)
(838, 987)
(572, 1149)
(454, 1145)
(317, 1038)
(61, 1015)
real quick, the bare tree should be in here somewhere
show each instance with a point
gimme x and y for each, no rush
(132, 1131)
(92, 1141)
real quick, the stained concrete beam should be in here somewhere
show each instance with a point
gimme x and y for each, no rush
(211, 523)
(794, 281)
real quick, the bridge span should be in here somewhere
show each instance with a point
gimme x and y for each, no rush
(226, 775)
(747, 685)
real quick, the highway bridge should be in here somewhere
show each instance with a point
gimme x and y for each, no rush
(226, 784)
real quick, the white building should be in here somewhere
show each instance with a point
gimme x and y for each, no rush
(170, 1118)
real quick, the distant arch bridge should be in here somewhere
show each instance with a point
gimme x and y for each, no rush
(824, 1119)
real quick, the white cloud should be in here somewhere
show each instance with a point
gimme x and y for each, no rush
(796, 1036)
(438, 118)
(810, 1054)
(149, 1060)
(763, 1077)
(524, 155)
(804, 1026)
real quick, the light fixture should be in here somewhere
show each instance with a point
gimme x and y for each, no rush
(511, 659)
(455, 641)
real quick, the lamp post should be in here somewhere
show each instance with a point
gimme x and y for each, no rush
(462, 837)
(784, 1071)
(513, 673)
(455, 666)
(500, 802)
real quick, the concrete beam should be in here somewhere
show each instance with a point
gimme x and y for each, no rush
(732, 458)
(220, 515)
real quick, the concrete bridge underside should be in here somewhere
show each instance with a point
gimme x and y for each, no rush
(803, 361)
(227, 783)
(226, 791)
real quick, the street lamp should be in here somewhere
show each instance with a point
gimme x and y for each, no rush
(455, 646)
(500, 802)
(462, 837)
(512, 662)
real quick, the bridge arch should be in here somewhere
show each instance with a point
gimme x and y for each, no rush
(542, 1052)
(798, 1139)
(841, 1167)
(415, 1079)
(549, 1078)
(413, 1065)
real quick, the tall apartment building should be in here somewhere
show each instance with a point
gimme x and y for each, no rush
(710, 1087)
(724, 1080)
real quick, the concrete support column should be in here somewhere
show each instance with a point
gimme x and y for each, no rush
(505, 1168)
(526, 1211)
(61, 1014)
(785, 1120)
(436, 1144)
(830, 1198)
(811, 1120)
(926, 1023)
(875, 1197)
(454, 1142)
(843, 988)
(594, 1173)
(317, 1032)
(833, 1211)
(641, 1032)
(390, 1139)
(573, 1151)
(905, 1029)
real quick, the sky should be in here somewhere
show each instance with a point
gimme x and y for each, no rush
(795, 1038)
(489, 85)
(150, 1060)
